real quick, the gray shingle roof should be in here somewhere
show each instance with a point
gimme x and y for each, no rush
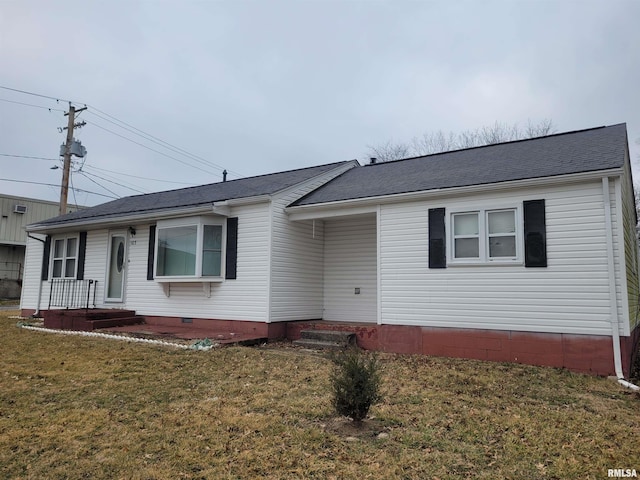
(566, 153)
(194, 196)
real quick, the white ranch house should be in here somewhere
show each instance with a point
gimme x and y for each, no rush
(523, 251)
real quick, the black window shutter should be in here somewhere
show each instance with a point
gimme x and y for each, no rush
(437, 239)
(231, 263)
(45, 259)
(152, 249)
(82, 250)
(535, 234)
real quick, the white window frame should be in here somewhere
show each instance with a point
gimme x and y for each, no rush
(65, 257)
(483, 236)
(199, 223)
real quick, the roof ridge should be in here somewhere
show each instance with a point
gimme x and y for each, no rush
(235, 179)
(496, 144)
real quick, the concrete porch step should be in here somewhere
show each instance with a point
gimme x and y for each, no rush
(114, 322)
(89, 319)
(106, 313)
(321, 339)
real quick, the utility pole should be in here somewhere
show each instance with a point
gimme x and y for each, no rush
(66, 168)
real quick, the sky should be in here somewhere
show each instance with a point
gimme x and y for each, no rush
(177, 91)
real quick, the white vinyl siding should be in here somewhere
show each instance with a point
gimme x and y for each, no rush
(630, 248)
(242, 299)
(571, 295)
(32, 273)
(297, 256)
(617, 222)
(94, 269)
(272, 253)
(349, 264)
(95, 263)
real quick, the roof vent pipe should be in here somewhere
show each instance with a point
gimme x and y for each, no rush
(224, 175)
(373, 160)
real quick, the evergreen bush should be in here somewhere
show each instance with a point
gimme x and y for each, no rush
(355, 381)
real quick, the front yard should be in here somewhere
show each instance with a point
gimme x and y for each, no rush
(76, 407)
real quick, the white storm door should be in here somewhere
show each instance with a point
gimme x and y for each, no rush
(116, 266)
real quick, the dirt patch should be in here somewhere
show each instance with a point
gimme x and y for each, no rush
(369, 429)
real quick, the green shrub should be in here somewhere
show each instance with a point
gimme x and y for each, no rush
(355, 381)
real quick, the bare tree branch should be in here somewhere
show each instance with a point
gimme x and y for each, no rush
(438, 142)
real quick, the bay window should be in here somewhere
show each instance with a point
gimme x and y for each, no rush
(189, 248)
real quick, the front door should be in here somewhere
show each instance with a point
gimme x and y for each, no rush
(117, 266)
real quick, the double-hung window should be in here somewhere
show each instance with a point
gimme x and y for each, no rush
(65, 255)
(189, 248)
(486, 235)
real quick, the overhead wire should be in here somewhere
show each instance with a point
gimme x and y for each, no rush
(54, 185)
(75, 201)
(84, 167)
(28, 156)
(32, 105)
(110, 178)
(153, 150)
(84, 173)
(142, 178)
(156, 140)
(128, 127)
(101, 186)
(35, 94)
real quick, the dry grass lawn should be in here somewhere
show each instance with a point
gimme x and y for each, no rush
(75, 407)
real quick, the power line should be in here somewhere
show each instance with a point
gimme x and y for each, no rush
(141, 133)
(156, 140)
(73, 190)
(142, 178)
(101, 186)
(54, 185)
(82, 172)
(31, 105)
(153, 150)
(100, 169)
(35, 94)
(27, 156)
(115, 180)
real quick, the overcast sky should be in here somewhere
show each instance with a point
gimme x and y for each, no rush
(259, 87)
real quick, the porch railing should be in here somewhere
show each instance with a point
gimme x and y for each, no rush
(72, 293)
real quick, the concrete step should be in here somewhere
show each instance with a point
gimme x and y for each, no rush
(337, 336)
(107, 313)
(320, 339)
(114, 322)
(319, 344)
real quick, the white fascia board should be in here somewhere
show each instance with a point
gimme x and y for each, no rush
(224, 207)
(346, 207)
(341, 210)
(100, 222)
(235, 202)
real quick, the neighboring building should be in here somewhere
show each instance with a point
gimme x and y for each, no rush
(523, 251)
(16, 213)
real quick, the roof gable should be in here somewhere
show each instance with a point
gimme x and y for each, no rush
(582, 151)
